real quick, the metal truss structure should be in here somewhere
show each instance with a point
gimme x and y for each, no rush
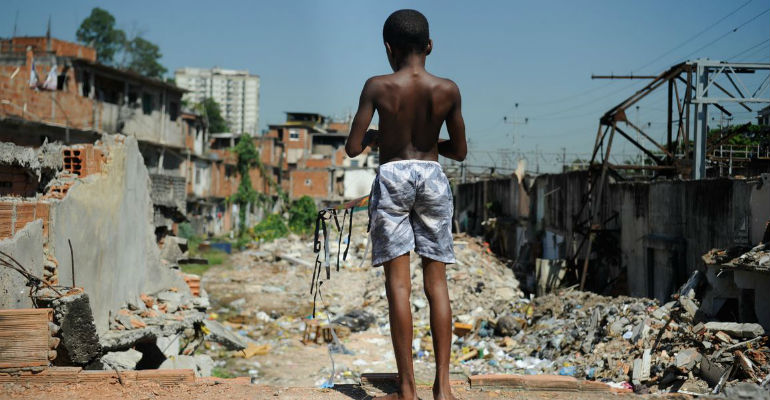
(693, 87)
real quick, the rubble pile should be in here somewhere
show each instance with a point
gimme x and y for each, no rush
(756, 258)
(629, 342)
(480, 285)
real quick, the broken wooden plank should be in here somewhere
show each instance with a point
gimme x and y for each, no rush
(25, 337)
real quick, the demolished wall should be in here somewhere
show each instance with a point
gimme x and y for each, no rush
(108, 218)
(27, 248)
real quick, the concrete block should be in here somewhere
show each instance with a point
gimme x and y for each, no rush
(168, 345)
(686, 359)
(122, 360)
(218, 333)
(201, 364)
(79, 341)
(735, 329)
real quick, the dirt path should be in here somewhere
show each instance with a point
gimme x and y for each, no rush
(239, 389)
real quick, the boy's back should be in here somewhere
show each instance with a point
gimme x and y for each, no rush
(412, 105)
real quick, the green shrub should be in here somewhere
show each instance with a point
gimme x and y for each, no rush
(302, 215)
(270, 228)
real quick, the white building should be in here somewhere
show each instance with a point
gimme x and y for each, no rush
(237, 93)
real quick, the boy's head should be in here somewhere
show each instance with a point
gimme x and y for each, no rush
(406, 32)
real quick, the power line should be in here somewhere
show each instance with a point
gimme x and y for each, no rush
(749, 49)
(727, 33)
(695, 35)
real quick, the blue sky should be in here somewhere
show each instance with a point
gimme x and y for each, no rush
(315, 55)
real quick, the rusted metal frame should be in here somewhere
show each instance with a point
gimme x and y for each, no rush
(680, 109)
(717, 105)
(643, 92)
(599, 139)
(594, 206)
(741, 129)
(718, 86)
(641, 132)
(632, 76)
(730, 78)
(642, 148)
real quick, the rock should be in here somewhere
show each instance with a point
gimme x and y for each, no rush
(180, 362)
(618, 327)
(734, 329)
(507, 325)
(168, 345)
(204, 364)
(218, 333)
(419, 303)
(689, 306)
(356, 320)
(641, 370)
(122, 360)
(79, 342)
(686, 359)
(640, 331)
(172, 300)
(746, 390)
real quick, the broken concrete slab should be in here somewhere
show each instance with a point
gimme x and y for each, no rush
(122, 360)
(79, 341)
(172, 300)
(687, 358)
(219, 333)
(204, 364)
(168, 345)
(735, 329)
(120, 340)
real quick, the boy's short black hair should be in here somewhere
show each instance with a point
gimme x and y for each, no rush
(407, 30)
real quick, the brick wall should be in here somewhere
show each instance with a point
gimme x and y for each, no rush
(83, 160)
(16, 181)
(14, 215)
(318, 162)
(169, 191)
(39, 44)
(313, 183)
(65, 107)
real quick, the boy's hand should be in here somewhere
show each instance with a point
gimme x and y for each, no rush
(371, 139)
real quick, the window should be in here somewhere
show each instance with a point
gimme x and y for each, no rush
(197, 173)
(173, 110)
(148, 101)
(293, 135)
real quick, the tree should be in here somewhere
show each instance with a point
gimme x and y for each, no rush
(210, 109)
(98, 30)
(248, 156)
(143, 58)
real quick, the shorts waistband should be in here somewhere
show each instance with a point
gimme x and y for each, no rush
(412, 162)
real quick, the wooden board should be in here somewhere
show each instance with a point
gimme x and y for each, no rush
(56, 375)
(25, 337)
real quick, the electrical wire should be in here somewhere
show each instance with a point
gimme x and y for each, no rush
(695, 36)
(726, 34)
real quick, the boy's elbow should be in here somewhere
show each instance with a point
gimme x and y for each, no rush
(461, 153)
(350, 151)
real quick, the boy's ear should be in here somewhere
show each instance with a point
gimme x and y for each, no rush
(429, 48)
(388, 50)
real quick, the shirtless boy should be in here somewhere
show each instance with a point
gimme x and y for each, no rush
(411, 200)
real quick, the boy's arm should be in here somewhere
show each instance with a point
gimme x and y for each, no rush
(355, 144)
(454, 148)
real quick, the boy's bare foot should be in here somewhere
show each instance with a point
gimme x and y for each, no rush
(443, 393)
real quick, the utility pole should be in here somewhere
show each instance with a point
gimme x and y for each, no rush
(563, 159)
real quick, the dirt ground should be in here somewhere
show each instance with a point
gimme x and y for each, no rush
(281, 290)
(239, 389)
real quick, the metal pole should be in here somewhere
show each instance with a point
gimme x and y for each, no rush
(700, 125)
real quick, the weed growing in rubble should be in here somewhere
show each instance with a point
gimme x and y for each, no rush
(302, 214)
(272, 227)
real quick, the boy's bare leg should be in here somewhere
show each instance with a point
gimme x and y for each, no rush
(398, 287)
(434, 282)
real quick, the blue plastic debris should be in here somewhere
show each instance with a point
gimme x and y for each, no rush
(568, 371)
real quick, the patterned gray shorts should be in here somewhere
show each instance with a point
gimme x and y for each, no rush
(411, 208)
